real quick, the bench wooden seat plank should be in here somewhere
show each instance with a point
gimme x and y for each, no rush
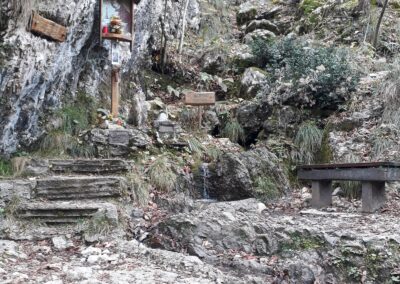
(372, 176)
(352, 165)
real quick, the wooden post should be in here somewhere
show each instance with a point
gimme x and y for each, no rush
(200, 110)
(115, 92)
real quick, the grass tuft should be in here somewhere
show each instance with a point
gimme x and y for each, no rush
(140, 188)
(308, 142)
(351, 189)
(5, 168)
(234, 131)
(161, 175)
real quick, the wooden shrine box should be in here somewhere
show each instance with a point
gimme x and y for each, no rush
(124, 10)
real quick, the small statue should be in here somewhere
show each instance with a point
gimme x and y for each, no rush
(116, 25)
(102, 118)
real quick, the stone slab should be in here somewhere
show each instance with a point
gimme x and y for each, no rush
(68, 188)
(105, 166)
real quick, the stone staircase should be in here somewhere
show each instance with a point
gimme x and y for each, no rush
(75, 192)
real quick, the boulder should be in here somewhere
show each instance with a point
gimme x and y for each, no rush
(117, 142)
(211, 120)
(246, 13)
(258, 34)
(213, 61)
(251, 115)
(233, 176)
(262, 25)
(252, 81)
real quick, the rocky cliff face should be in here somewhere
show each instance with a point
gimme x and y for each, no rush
(38, 75)
(35, 72)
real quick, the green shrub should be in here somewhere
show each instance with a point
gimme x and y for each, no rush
(308, 143)
(265, 188)
(234, 131)
(308, 6)
(161, 175)
(313, 71)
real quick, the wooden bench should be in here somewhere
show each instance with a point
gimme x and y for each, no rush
(372, 176)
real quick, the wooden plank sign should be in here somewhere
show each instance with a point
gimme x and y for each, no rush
(200, 98)
(48, 28)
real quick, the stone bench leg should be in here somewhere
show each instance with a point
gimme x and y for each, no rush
(373, 195)
(321, 194)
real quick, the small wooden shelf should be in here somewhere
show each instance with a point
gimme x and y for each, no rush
(120, 37)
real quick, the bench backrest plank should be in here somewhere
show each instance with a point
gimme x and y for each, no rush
(356, 174)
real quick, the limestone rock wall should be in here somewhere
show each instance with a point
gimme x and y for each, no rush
(38, 75)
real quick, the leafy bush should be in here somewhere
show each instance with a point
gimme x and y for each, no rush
(313, 72)
(308, 142)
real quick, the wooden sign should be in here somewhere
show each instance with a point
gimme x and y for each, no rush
(200, 98)
(48, 28)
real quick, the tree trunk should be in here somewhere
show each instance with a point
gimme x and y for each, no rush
(183, 30)
(376, 35)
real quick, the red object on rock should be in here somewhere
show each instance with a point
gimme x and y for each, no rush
(105, 30)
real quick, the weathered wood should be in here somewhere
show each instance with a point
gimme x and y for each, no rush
(361, 174)
(352, 165)
(48, 28)
(321, 194)
(373, 196)
(118, 37)
(115, 92)
(200, 98)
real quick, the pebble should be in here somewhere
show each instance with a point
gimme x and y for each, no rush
(79, 273)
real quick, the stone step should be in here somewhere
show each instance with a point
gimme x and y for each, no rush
(66, 212)
(99, 166)
(81, 187)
